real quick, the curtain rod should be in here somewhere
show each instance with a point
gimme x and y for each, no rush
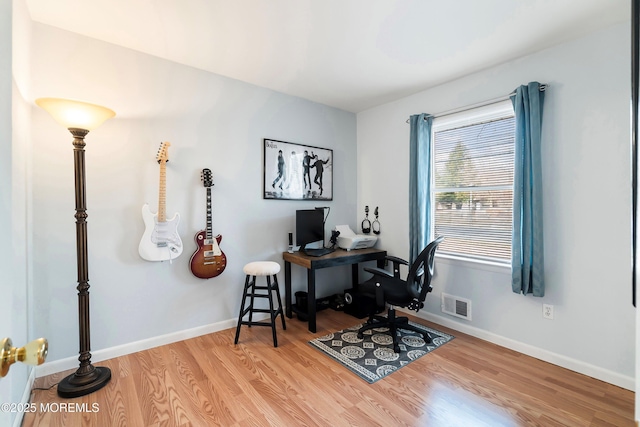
(543, 87)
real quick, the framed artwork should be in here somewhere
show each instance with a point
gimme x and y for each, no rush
(296, 171)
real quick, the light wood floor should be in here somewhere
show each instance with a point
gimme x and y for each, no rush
(208, 381)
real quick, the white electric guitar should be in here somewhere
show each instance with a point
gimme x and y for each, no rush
(160, 241)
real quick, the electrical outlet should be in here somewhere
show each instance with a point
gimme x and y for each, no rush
(547, 311)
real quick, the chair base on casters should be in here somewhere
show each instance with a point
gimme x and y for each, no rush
(389, 289)
(394, 323)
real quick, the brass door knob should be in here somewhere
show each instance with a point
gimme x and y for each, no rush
(34, 353)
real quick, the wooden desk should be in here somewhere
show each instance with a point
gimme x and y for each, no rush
(339, 257)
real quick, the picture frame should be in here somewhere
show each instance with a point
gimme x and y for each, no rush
(296, 171)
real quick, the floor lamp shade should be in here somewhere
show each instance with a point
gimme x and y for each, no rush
(75, 114)
(79, 118)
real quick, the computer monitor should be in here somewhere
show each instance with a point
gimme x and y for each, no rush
(309, 227)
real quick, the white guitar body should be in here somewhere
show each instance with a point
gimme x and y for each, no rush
(160, 241)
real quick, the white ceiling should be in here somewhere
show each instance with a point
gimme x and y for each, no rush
(350, 54)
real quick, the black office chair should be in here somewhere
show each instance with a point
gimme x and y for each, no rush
(389, 288)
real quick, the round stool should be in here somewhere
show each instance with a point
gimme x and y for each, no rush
(252, 270)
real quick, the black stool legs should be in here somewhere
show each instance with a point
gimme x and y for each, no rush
(250, 291)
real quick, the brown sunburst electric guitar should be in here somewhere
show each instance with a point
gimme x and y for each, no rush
(208, 260)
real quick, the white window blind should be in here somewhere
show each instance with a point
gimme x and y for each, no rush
(472, 191)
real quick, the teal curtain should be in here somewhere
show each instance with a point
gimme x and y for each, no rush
(527, 254)
(419, 183)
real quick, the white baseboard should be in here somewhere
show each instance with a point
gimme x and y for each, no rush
(122, 350)
(579, 366)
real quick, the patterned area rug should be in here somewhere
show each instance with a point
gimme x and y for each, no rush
(372, 357)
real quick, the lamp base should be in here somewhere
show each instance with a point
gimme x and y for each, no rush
(75, 385)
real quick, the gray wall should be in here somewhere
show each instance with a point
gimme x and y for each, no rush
(14, 199)
(7, 385)
(586, 175)
(211, 121)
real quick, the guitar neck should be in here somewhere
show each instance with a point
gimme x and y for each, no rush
(162, 193)
(209, 232)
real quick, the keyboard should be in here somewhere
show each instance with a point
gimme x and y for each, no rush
(318, 252)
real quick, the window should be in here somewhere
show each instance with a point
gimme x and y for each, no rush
(472, 182)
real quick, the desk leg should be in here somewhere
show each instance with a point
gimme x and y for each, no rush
(354, 276)
(311, 298)
(287, 289)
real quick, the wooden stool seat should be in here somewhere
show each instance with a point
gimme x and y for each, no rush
(267, 269)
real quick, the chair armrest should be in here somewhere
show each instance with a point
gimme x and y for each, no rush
(396, 264)
(378, 272)
(396, 260)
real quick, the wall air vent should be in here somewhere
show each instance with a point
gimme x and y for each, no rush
(456, 306)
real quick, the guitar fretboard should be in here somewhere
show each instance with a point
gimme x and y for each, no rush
(209, 232)
(162, 193)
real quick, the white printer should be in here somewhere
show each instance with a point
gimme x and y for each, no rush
(348, 240)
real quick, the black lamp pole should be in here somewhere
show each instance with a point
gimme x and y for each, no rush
(87, 378)
(635, 94)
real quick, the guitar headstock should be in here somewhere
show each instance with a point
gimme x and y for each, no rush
(163, 152)
(206, 178)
